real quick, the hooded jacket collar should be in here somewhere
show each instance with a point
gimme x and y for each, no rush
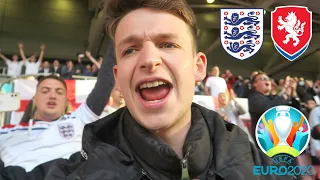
(152, 152)
(232, 155)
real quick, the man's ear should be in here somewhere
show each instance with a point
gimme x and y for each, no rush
(115, 74)
(201, 66)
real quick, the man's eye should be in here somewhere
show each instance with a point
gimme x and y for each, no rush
(167, 45)
(129, 51)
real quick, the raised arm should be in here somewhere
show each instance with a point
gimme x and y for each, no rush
(42, 47)
(100, 60)
(3, 57)
(23, 56)
(92, 59)
(100, 94)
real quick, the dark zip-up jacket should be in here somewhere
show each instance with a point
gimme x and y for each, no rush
(118, 148)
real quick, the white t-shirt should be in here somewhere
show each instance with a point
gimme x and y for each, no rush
(14, 68)
(46, 70)
(217, 85)
(30, 146)
(32, 67)
(108, 110)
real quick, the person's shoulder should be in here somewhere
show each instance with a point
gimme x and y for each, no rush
(8, 61)
(253, 94)
(94, 142)
(232, 140)
(220, 78)
(209, 78)
(315, 110)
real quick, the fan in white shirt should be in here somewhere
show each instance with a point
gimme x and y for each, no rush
(116, 102)
(215, 84)
(14, 66)
(32, 65)
(53, 135)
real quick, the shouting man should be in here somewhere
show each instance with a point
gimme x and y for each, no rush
(160, 134)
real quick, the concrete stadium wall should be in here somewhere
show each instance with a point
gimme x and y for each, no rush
(61, 24)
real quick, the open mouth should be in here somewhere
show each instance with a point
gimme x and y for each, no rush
(51, 104)
(154, 91)
(267, 84)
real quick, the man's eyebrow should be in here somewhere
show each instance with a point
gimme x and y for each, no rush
(48, 88)
(45, 88)
(59, 89)
(136, 38)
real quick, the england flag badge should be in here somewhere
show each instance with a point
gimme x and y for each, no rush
(241, 32)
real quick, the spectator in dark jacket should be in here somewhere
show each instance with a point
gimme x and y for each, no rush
(161, 134)
(80, 67)
(261, 99)
(68, 70)
(46, 68)
(56, 67)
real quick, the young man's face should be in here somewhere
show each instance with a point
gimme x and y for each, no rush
(15, 58)
(117, 97)
(153, 48)
(32, 59)
(46, 64)
(215, 71)
(223, 99)
(56, 63)
(50, 99)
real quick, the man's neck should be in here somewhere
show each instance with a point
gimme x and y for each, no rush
(265, 93)
(45, 118)
(222, 105)
(175, 135)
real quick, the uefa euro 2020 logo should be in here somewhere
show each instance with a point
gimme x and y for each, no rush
(283, 133)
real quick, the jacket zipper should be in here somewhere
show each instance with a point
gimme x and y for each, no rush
(145, 174)
(184, 166)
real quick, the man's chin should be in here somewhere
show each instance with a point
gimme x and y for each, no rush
(53, 114)
(151, 121)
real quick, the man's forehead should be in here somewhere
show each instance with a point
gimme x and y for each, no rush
(51, 83)
(144, 36)
(149, 24)
(263, 75)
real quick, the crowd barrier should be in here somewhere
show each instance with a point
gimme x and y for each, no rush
(78, 90)
(3, 70)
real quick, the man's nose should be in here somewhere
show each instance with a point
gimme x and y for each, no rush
(53, 95)
(149, 58)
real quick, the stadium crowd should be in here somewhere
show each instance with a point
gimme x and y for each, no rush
(263, 93)
(54, 143)
(33, 65)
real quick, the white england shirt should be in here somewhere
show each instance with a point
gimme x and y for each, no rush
(14, 68)
(32, 67)
(28, 146)
(217, 85)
